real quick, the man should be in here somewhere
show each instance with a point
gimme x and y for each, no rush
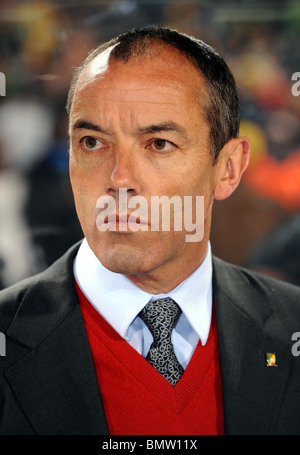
(89, 347)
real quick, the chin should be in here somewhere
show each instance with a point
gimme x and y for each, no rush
(134, 255)
(125, 263)
(123, 259)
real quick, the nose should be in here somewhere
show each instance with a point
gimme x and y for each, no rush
(124, 174)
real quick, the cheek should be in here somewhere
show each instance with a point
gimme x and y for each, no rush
(84, 181)
(77, 181)
(83, 196)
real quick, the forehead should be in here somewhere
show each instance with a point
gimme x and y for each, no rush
(162, 75)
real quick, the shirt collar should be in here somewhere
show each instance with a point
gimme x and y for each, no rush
(119, 301)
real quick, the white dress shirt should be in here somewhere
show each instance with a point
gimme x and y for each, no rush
(119, 301)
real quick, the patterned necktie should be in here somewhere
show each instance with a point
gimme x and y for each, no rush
(160, 316)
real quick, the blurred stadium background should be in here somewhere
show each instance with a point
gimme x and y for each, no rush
(42, 41)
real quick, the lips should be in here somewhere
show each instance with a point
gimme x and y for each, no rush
(124, 222)
(124, 218)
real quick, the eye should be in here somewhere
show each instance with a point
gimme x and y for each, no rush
(162, 145)
(91, 143)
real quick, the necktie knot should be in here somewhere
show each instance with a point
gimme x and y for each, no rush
(160, 316)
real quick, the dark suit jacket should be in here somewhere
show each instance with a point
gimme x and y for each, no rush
(47, 380)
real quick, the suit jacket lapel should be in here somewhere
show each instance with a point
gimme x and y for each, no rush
(252, 392)
(55, 383)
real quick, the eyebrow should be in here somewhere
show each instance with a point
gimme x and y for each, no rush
(165, 126)
(85, 125)
(155, 128)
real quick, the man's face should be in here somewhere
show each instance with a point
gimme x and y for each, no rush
(139, 125)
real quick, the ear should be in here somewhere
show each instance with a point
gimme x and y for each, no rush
(232, 162)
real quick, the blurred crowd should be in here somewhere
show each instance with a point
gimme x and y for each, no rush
(42, 41)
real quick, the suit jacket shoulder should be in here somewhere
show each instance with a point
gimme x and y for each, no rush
(256, 316)
(51, 291)
(48, 383)
(259, 296)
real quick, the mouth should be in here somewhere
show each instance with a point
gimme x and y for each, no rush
(125, 223)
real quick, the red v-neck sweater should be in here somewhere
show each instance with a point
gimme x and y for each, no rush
(138, 400)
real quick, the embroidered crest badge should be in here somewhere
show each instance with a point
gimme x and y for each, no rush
(271, 359)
